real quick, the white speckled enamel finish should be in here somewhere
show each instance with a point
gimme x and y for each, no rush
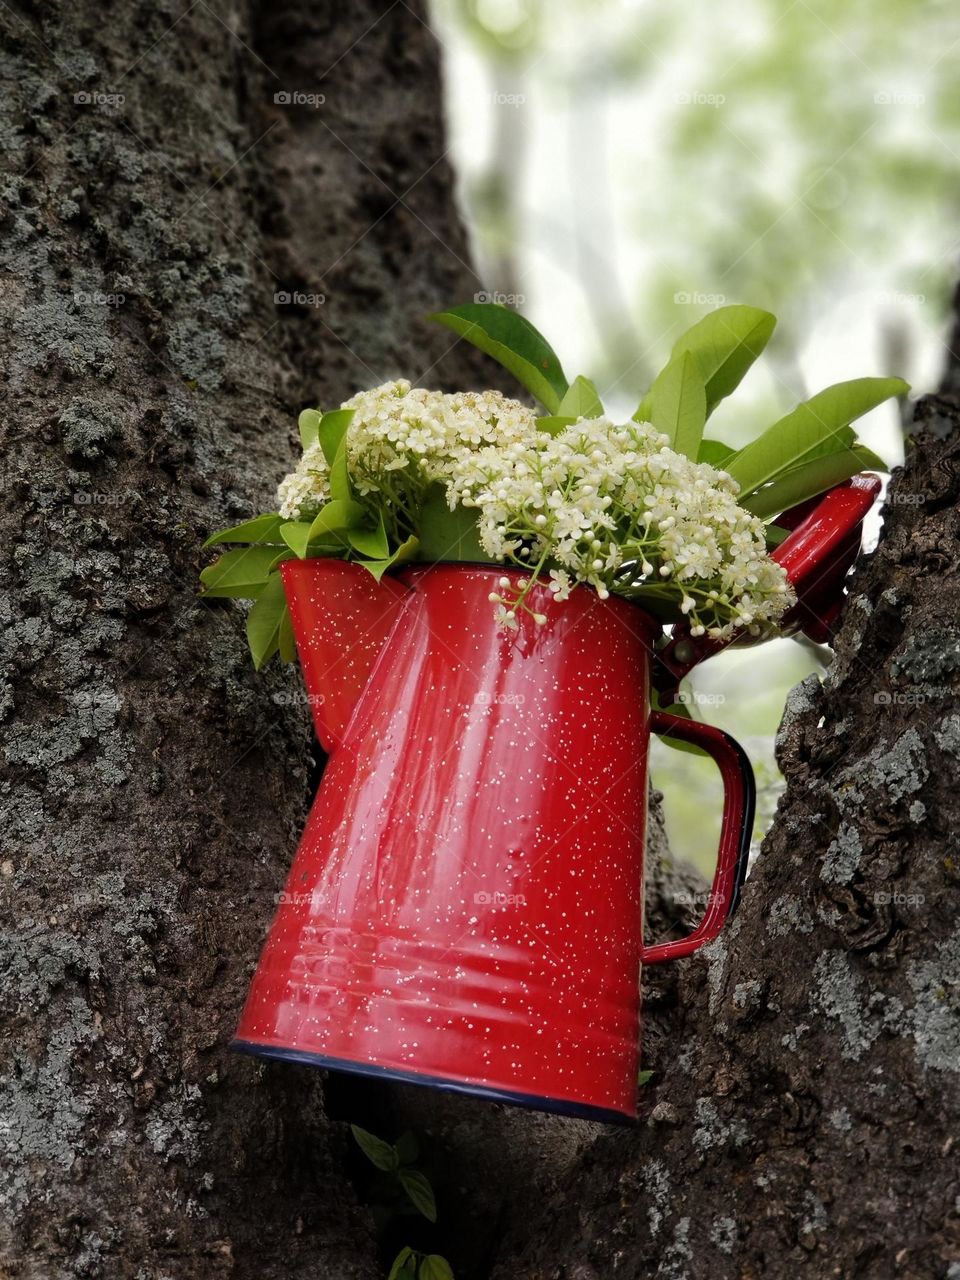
(466, 899)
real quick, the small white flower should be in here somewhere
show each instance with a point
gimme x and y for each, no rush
(595, 502)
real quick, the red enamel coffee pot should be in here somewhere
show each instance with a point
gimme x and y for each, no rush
(465, 908)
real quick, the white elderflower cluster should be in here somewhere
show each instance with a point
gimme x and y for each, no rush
(614, 507)
(397, 427)
(304, 491)
(401, 439)
(599, 504)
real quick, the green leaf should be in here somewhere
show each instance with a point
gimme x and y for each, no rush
(435, 1267)
(580, 400)
(399, 1270)
(331, 521)
(803, 433)
(235, 572)
(309, 424)
(514, 342)
(644, 1077)
(286, 644)
(296, 534)
(379, 1153)
(333, 428)
(418, 1189)
(775, 535)
(715, 452)
(446, 534)
(678, 404)
(337, 516)
(371, 543)
(407, 1148)
(340, 488)
(554, 424)
(406, 551)
(264, 621)
(725, 344)
(811, 478)
(260, 529)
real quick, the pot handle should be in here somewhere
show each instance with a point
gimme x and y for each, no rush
(739, 802)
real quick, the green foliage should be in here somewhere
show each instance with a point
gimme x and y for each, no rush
(264, 621)
(409, 1264)
(554, 423)
(514, 343)
(420, 1192)
(800, 456)
(331, 431)
(433, 1267)
(812, 431)
(407, 550)
(241, 574)
(446, 534)
(308, 425)
(380, 1154)
(678, 404)
(580, 400)
(397, 1161)
(404, 1265)
(260, 529)
(724, 344)
(715, 452)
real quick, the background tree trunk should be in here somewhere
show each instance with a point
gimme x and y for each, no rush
(805, 1112)
(805, 1100)
(159, 200)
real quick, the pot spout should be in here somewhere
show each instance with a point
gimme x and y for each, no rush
(823, 544)
(341, 619)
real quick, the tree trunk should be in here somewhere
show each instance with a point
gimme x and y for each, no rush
(160, 201)
(805, 1110)
(194, 248)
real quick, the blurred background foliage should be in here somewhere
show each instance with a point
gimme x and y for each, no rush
(624, 166)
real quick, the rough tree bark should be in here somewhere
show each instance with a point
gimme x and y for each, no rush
(156, 196)
(805, 1112)
(805, 1099)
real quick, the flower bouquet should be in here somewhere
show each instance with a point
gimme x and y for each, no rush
(464, 909)
(648, 510)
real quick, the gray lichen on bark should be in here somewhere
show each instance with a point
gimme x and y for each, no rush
(818, 1119)
(155, 199)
